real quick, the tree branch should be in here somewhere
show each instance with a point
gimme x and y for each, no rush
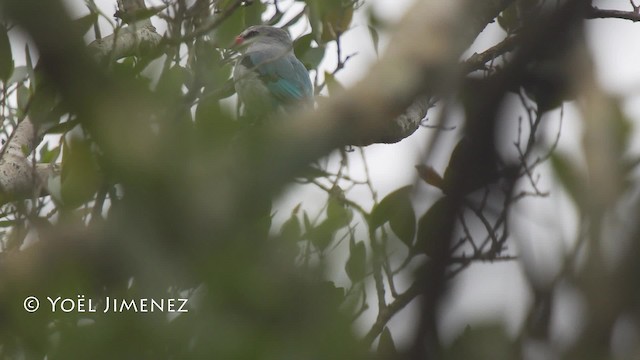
(131, 40)
(596, 13)
(410, 120)
(19, 177)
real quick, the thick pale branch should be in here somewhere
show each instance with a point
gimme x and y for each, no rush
(131, 40)
(139, 36)
(19, 177)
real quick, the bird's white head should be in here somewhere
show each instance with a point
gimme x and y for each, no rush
(264, 34)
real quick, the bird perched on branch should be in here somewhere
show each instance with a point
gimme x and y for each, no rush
(268, 77)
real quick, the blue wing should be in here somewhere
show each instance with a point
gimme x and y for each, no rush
(285, 77)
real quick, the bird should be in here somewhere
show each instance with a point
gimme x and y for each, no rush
(268, 77)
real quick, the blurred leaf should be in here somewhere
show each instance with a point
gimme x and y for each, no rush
(80, 174)
(23, 96)
(403, 223)
(30, 70)
(337, 208)
(307, 222)
(508, 19)
(322, 235)
(430, 176)
(622, 129)
(356, 264)
(571, 178)
(353, 298)
(332, 294)
(6, 57)
(386, 347)
(432, 226)
(291, 228)
(20, 74)
(212, 124)
(302, 44)
(312, 57)
(84, 24)
(171, 82)
(336, 18)
(485, 342)
(382, 212)
(49, 156)
(41, 105)
(62, 127)
(313, 14)
(397, 209)
(375, 38)
(333, 85)
(7, 223)
(229, 29)
(469, 158)
(253, 13)
(208, 66)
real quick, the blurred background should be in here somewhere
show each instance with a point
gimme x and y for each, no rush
(503, 224)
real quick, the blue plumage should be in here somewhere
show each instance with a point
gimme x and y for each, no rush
(268, 77)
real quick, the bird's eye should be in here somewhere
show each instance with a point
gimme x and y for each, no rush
(251, 34)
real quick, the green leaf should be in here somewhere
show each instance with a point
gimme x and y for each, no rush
(313, 14)
(330, 293)
(23, 96)
(80, 175)
(171, 82)
(42, 104)
(312, 57)
(508, 19)
(322, 235)
(338, 213)
(333, 85)
(20, 74)
(291, 228)
(470, 167)
(382, 212)
(6, 57)
(49, 156)
(307, 222)
(356, 264)
(30, 70)
(336, 18)
(571, 178)
(434, 226)
(302, 45)
(403, 223)
(213, 125)
(253, 13)
(397, 209)
(62, 127)
(7, 223)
